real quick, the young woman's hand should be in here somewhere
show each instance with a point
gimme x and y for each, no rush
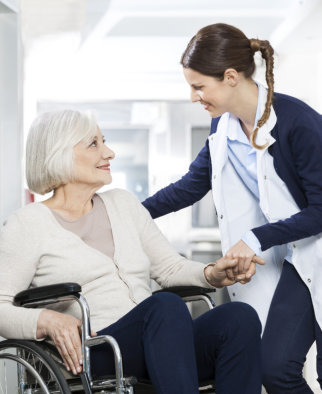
(247, 276)
(216, 274)
(246, 258)
(64, 331)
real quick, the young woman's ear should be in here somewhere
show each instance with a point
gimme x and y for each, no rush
(231, 77)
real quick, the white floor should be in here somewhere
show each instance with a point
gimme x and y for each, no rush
(310, 370)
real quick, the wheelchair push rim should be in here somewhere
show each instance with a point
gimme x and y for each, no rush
(36, 372)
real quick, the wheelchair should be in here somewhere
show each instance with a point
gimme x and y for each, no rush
(39, 367)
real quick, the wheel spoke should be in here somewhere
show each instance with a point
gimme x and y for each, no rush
(5, 377)
(27, 381)
(4, 364)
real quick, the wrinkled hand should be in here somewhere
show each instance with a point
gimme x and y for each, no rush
(216, 274)
(65, 332)
(246, 262)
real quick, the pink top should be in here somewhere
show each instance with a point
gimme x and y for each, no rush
(94, 228)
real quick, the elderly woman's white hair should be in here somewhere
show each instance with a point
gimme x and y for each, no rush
(49, 153)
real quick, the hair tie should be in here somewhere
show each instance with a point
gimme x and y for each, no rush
(255, 44)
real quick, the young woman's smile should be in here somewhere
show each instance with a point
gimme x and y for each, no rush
(213, 94)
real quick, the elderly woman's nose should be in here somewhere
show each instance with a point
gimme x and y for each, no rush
(108, 153)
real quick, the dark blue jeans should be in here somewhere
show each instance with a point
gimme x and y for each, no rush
(159, 341)
(290, 331)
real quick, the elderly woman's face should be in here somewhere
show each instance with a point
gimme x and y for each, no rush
(92, 162)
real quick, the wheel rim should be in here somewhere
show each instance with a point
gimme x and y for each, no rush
(22, 378)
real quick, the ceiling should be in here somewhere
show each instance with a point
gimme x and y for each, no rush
(157, 18)
(131, 48)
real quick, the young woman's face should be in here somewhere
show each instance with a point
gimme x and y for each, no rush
(214, 95)
(92, 162)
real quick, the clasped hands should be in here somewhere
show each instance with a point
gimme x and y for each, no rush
(237, 265)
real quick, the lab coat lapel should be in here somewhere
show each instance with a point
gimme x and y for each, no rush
(219, 155)
(264, 137)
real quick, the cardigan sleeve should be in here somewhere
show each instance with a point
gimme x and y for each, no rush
(194, 185)
(167, 267)
(18, 263)
(306, 152)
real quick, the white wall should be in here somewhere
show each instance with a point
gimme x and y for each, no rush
(10, 110)
(299, 74)
(10, 117)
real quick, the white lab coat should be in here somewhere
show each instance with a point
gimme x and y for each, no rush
(238, 211)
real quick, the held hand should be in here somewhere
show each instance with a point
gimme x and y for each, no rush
(244, 255)
(247, 277)
(216, 275)
(64, 331)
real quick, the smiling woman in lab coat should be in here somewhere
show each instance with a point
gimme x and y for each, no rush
(263, 162)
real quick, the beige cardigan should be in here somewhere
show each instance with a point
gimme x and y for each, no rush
(35, 250)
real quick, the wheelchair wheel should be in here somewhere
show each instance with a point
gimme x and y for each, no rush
(35, 371)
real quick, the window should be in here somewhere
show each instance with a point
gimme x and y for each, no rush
(129, 169)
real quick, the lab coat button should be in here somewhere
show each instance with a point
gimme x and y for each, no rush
(234, 294)
(309, 280)
(221, 216)
(265, 177)
(294, 246)
(214, 176)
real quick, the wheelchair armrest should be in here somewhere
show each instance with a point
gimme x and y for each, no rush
(47, 292)
(186, 291)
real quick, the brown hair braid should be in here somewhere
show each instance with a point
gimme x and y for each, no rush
(217, 47)
(267, 54)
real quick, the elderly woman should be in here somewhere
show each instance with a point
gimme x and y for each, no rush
(109, 244)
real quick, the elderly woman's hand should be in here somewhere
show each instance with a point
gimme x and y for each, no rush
(64, 331)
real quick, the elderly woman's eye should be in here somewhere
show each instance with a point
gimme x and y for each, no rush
(93, 143)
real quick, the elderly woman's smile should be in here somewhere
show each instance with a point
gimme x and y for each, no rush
(105, 167)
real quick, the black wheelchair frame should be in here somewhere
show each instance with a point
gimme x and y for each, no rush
(40, 368)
